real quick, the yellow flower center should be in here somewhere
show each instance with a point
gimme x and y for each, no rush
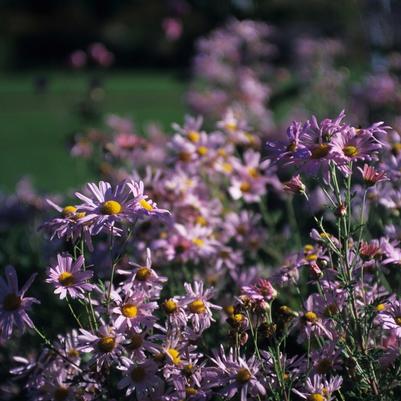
(316, 397)
(230, 126)
(238, 317)
(229, 309)
(245, 186)
(250, 137)
(61, 393)
(308, 248)
(68, 211)
(253, 172)
(380, 307)
(111, 207)
(310, 316)
(397, 319)
(106, 344)
(201, 221)
(350, 151)
(136, 341)
(197, 306)
(228, 168)
(189, 391)
(174, 355)
(202, 150)
(146, 205)
(11, 302)
(396, 148)
(129, 310)
(73, 353)
(222, 152)
(193, 136)
(243, 375)
(66, 279)
(320, 151)
(198, 242)
(138, 374)
(325, 235)
(311, 257)
(170, 306)
(78, 215)
(142, 274)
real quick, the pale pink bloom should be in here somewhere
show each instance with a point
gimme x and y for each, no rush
(199, 309)
(68, 277)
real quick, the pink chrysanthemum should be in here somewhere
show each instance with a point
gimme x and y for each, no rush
(106, 206)
(198, 306)
(68, 278)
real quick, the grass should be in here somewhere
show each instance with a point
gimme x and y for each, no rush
(35, 128)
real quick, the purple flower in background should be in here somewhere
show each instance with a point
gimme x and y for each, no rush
(78, 59)
(13, 304)
(68, 278)
(172, 28)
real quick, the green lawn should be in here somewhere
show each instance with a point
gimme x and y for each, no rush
(35, 127)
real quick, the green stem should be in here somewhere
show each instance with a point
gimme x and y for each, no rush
(73, 313)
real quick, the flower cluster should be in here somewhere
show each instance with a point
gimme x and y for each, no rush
(230, 69)
(217, 294)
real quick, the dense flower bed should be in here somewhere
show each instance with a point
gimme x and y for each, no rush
(184, 280)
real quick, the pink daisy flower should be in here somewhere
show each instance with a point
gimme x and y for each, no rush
(68, 278)
(105, 345)
(351, 145)
(198, 306)
(106, 206)
(144, 278)
(134, 312)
